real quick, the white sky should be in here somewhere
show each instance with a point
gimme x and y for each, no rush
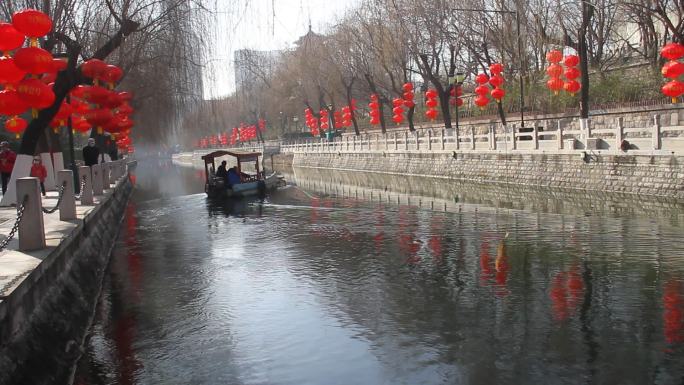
(250, 24)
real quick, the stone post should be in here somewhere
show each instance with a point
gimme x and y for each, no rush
(386, 143)
(97, 179)
(354, 143)
(619, 133)
(535, 137)
(492, 137)
(394, 139)
(559, 135)
(429, 139)
(31, 228)
(472, 137)
(655, 135)
(514, 132)
(585, 128)
(441, 139)
(417, 135)
(105, 175)
(405, 140)
(457, 139)
(87, 190)
(67, 206)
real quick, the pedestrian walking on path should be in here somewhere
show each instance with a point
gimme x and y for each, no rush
(39, 171)
(91, 153)
(7, 158)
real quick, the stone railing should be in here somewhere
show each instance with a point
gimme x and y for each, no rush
(544, 136)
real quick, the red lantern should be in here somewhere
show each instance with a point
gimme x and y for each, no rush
(10, 38)
(572, 87)
(554, 56)
(9, 72)
(554, 70)
(452, 101)
(35, 93)
(112, 74)
(374, 97)
(459, 102)
(572, 73)
(496, 68)
(672, 69)
(59, 65)
(672, 51)
(481, 78)
(673, 89)
(16, 125)
(482, 90)
(408, 95)
(409, 103)
(431, 114)
(498, 94)
(481, 101)
(496, 81)
(32, 23)
(373, 105)
(396, 102)
(571, 61)
(431, 103)
(33, 60)
(555, 85)
(93, 68)
(398, 119)
(99, 116)
(375, 120)
(65, 110)
(398, 110)
(430, 94)
(11, 103)
(407, 87)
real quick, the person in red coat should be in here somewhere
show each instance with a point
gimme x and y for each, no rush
(7, 158)
(39, 171)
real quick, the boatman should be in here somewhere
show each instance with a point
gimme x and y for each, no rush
(221, 172)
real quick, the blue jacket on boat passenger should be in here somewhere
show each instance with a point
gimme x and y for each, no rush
(233, 177)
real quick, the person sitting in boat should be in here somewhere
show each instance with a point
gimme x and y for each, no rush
(233, 176)
(221, 172)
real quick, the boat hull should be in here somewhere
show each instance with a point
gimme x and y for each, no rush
(243, 189)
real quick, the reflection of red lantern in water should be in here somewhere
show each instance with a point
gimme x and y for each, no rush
(501, 264)
(567, 289)
(486, 271)
(673, 312)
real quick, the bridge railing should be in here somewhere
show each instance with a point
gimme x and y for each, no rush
(546, 137)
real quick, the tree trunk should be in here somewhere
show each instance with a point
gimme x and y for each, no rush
(409, 118)
(371, 85)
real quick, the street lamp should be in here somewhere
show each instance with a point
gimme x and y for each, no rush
(456, 81)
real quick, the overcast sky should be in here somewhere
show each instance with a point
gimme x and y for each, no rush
(251, 24)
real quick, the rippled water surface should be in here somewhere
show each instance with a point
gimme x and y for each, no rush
(334, 282)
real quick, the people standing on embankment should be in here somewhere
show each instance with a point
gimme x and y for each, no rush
(91, 153)
(7, 158)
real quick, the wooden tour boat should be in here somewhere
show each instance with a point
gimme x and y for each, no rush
(250, 184)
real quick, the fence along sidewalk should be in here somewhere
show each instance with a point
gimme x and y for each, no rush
(542, 136)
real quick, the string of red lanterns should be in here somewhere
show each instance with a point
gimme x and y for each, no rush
(374, 110)
(431, 102)
(28, 78)
(673, 70)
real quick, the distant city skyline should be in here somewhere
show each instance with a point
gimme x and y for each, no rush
(256, 25)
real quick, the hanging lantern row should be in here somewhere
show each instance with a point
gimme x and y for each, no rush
(408, 95)
(347, 115)
(431, 102)
(673, 70)
(374, 110)
(325, 120)
(555, 71)
(398, 110)
(311, 121)
(455, 96)
(28, 78)
(482, 90)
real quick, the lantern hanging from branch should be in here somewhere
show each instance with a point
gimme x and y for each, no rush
(672, 51)
(16, 125)
(554, 56)
(32, 23)
(673, 89)
(431, 103)
(10, 38)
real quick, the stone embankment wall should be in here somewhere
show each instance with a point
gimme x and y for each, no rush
(661, 176)
(44, 321)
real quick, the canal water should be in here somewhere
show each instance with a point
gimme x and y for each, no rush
(363, 279)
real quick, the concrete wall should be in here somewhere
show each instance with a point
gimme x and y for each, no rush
(661, 176)
(44, 321)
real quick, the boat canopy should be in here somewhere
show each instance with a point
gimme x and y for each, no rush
(241, 156)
